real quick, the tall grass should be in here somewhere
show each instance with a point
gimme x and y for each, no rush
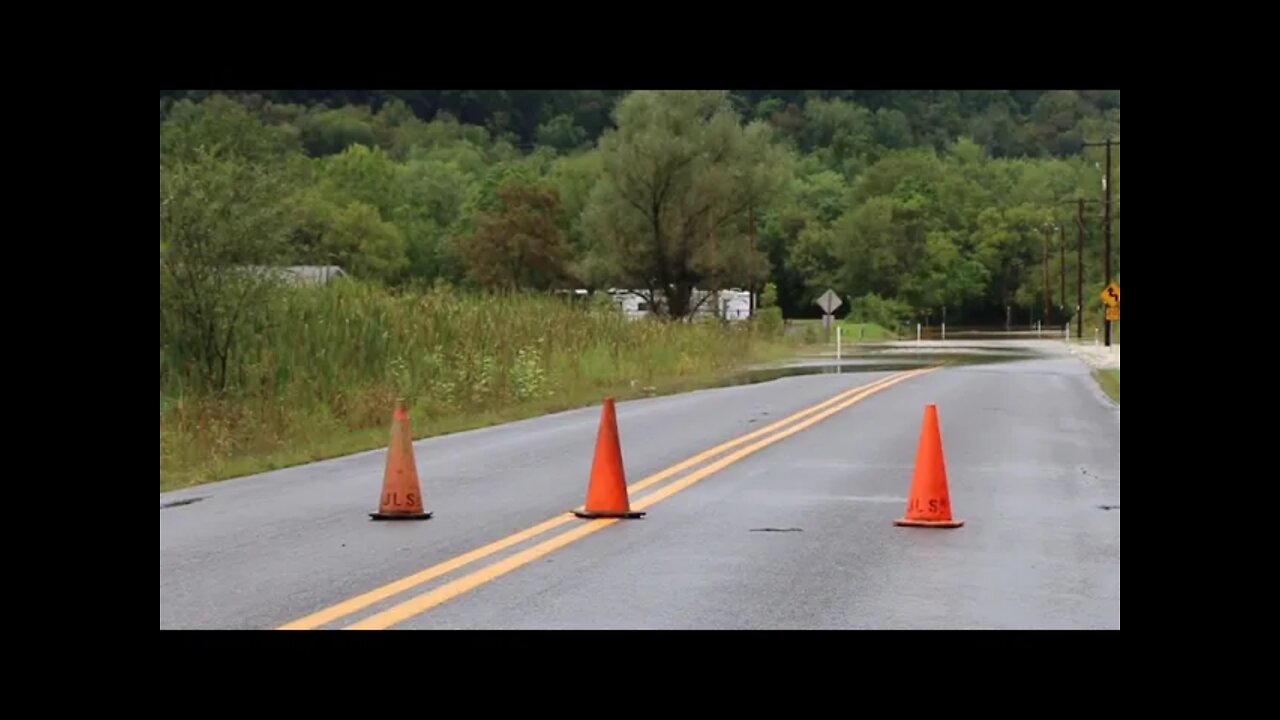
(317, 372)
(1109, 380)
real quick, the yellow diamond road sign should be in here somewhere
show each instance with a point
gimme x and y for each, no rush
(1111, 294)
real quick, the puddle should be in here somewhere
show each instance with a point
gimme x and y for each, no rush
(1046, 334)
(981, 332)
(887, 360)
(962, 354)
(766, 374)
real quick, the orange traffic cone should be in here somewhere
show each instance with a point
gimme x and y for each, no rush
(401, 495)
(929, 504)
(607, 489)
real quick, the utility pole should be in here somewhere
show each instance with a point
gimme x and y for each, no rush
(1062, 264)
(751, 232)
(1106, 221)
(1107, 225)
(1080, 270)
(1046, 276)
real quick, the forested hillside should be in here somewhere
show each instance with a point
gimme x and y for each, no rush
(901, 201)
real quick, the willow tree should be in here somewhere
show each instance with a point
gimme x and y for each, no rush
(675, 207)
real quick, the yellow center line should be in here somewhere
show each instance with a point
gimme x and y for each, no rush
(420, 604)
(376, 595)
(379, 594)
(707, 454)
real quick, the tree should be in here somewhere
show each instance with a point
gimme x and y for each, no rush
(332, 131)
(521, 245)
(221, 127)
(221, 228)
(361, 241)
(561, 133)
(673, 207)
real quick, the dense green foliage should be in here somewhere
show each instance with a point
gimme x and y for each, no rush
(905, 201)
(456, 212)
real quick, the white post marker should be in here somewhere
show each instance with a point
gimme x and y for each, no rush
(1066, 332)
(917, 332)
(838, 342)
(944, 331)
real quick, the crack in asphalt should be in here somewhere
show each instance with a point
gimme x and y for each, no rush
(177, 503)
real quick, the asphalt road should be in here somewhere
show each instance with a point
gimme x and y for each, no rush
(792, 528)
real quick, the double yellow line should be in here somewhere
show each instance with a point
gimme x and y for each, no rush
(427, 600)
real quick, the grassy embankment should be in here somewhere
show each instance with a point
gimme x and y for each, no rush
(1109, 380)
(321, 378)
